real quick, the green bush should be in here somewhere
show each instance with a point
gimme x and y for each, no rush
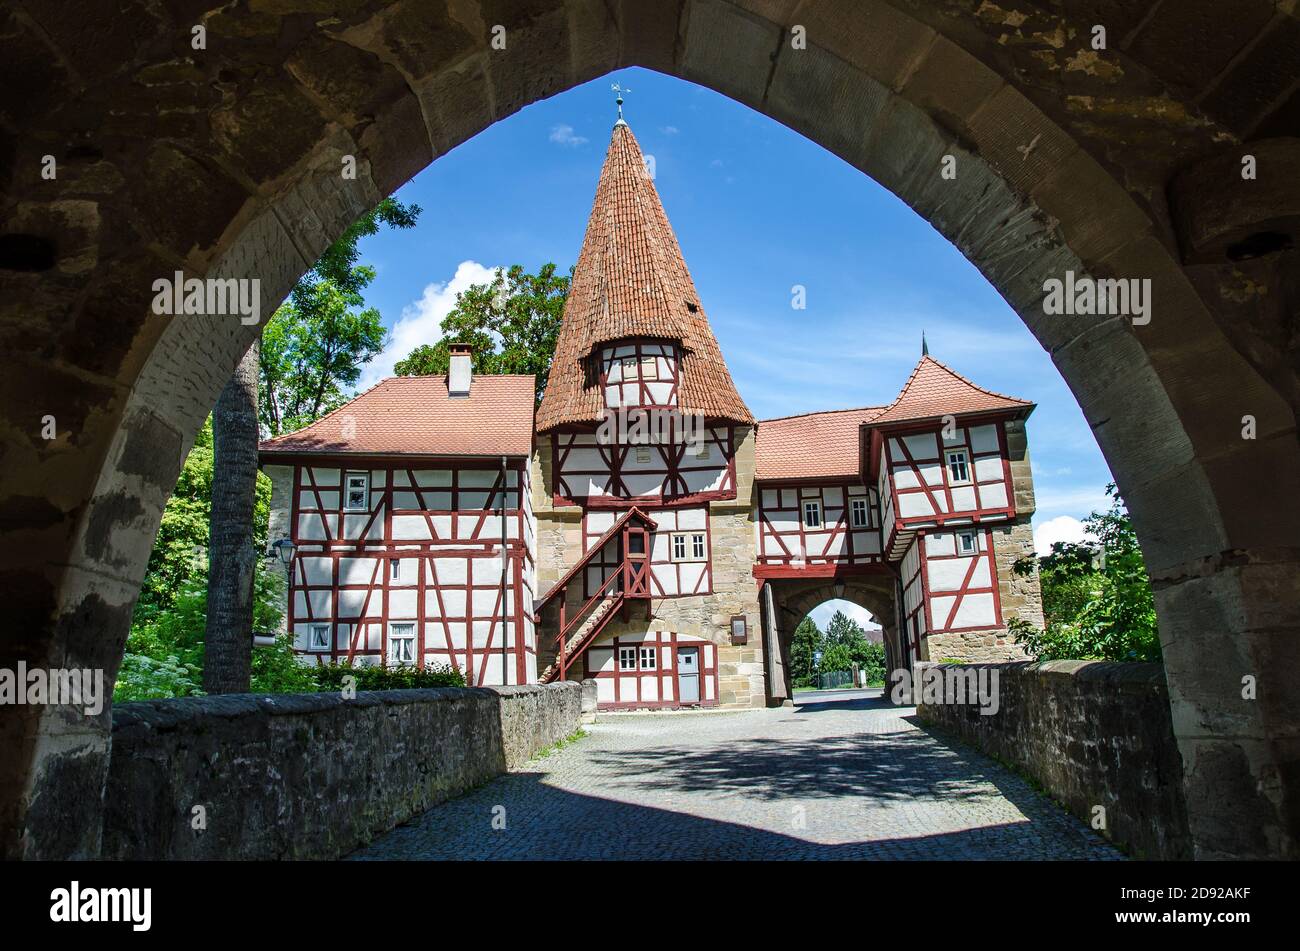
(330, 677)
(1097, 600)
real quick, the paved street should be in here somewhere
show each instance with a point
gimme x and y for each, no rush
(842, 775)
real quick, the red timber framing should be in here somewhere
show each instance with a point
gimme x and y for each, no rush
(669, 578)
(643, 372)
(426, 551)
(940, 497)
(944, 624)
(642, 686)
(620, 480)
(912, 573)
(785, 538)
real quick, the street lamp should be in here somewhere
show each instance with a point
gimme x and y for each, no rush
(284, 548)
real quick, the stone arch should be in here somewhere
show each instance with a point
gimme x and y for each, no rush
(1065, 159)
(795, 599)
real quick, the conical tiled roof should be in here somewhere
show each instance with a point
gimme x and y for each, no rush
(631, 281)
(933, 390)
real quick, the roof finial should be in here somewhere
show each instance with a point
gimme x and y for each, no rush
(619, 100)
(925, 351)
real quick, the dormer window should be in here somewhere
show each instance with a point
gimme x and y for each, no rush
(639, 374)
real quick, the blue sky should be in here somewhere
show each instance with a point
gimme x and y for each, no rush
(757, 209)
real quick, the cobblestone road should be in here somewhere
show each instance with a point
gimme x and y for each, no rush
(837, 777)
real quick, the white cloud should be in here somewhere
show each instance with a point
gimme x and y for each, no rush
(823, 613)
(1063, 528)
(563, 135)
(668, 129)
(421, 320)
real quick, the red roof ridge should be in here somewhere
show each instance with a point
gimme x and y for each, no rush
(824, 412)
(927, 361)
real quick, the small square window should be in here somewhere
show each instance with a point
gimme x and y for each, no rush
(358, 492)
(966, 543)
(627, 658)
(679, 548)
(858, 510)
(697, 547)
(629, 368)
(690, 546)
(320, 637)
(643, 454)
(812, 513)
(648, 658)
(649, 368)
(958, 467)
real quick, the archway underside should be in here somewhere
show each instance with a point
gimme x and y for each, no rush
(225, 162)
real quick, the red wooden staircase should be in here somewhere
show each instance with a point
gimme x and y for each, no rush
(629, 581)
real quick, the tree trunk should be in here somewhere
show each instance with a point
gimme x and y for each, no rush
(228, 636)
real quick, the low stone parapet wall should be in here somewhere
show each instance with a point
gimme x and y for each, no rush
(311, 776)
(1092, 734)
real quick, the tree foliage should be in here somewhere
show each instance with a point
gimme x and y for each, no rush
(511, 323)
(313, 349)
(1097, 599)
(805, 645)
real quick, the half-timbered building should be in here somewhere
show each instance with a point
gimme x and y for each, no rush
(638, 526)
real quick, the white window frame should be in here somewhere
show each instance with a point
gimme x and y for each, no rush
(649, 368)
(395, 569)
(347, 491)
(858, 503)
(690, 543)
(817, 507)
(964, 457)
(394, 638)
(642, 455)
(647, 657)
(625, 652)
(974, 543)
(311, 637)
(629, 368)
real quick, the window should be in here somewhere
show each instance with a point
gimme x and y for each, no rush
(858, 510)
(396, 567)
(649, 368)
(401, 644)
(689, 546)
(627, 658)
(320, 637)
(358, 489)
(958, 470)
(648, 658)
(629, 368)
(812, 513)
(701, 449)
(636, 543)
(642, 454)
(966, 543)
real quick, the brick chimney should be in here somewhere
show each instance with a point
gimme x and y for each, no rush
(460, 374)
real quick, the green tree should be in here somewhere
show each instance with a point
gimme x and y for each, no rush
(1097, 599)
(804, 646)
(313, 349)
(511, 323)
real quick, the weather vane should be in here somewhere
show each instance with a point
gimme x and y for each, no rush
(620, 90)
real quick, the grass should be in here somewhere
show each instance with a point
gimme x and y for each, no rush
(558, 745)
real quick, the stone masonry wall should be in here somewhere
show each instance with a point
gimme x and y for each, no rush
(741, 667)
(1094, 734)
(310, 776)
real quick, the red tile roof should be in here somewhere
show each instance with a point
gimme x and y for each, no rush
(814, 445)
(631, 281)
(414, 415)
(933, 390)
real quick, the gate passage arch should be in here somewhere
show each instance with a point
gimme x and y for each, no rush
(793, 599)
(226, 161)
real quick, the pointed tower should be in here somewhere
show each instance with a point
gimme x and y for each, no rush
(631, 287)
